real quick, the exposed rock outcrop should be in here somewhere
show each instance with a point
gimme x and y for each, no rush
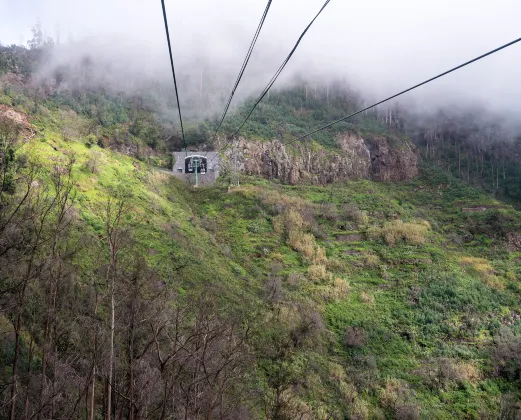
(20, 119)
(357, 158)
(392, 163)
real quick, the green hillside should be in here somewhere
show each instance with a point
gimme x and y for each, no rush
(359, 300)
(122, 287)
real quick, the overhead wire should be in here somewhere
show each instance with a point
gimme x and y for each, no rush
(173, 74)
(275, 76)
(244, 64)
(281, 68)
(407, 90)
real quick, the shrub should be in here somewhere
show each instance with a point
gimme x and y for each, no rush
(302, 242)
(506, 355)
(328, 211)
(226, 250)
(91, 140)
(483, 268)
(94, 162)
(280, 203)
(414, 233)
(348, 391)
(6, 100)
(353, 213)
(478, 265)
(370, 260)
(337, 290)
(317, 272)
(366, 298)
(287, 222)
(291, 223)
(450, 370)
(43, 111)
(338, 265)
(294, 279)
(361, 218)
(348, 210)
(293, 220)
(389, 395)
(510, 408)
(278, 224)
(406, 411)
(273, 289)
(253, 227)
(320, 255)
(341, 285)
(337, 372)
(355, 337)
(395, 396)
(364, 372)
(445, 373)
(359, 410)
(209, 224)
(308, 214)
(318, 231)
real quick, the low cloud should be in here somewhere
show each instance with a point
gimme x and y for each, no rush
(379, 46)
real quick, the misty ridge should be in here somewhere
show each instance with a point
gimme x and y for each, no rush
(341, 55)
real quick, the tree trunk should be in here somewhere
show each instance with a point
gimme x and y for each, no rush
(92, 394)
(459, 161)
(15, 364)
(18, 329)
(44, 352)
(26, 415)
(111, 356)
(93, 386)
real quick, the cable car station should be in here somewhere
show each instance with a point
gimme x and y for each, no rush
(197, 168)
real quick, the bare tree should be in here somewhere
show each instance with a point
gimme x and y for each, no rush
(115, 237)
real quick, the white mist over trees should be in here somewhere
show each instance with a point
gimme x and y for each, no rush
(379, 46)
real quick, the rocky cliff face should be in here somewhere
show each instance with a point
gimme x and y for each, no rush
(358, 158)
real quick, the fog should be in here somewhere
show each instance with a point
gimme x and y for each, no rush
(378, 45)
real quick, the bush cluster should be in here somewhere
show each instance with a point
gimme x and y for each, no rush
(397, 231)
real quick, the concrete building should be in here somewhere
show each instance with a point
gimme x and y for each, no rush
(208, 166)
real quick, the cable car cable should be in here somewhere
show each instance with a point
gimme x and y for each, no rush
(275, 76)
(281, 68)
(408, 90)
(244, 64)
(173, 74)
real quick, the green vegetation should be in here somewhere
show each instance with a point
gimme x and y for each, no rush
(123, 290)
(292, 112)
(358, 300)
(414, 316)
(149, 114)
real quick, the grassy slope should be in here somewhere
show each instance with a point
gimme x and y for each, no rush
(429, 301)
(162, 221)
(417, 303)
